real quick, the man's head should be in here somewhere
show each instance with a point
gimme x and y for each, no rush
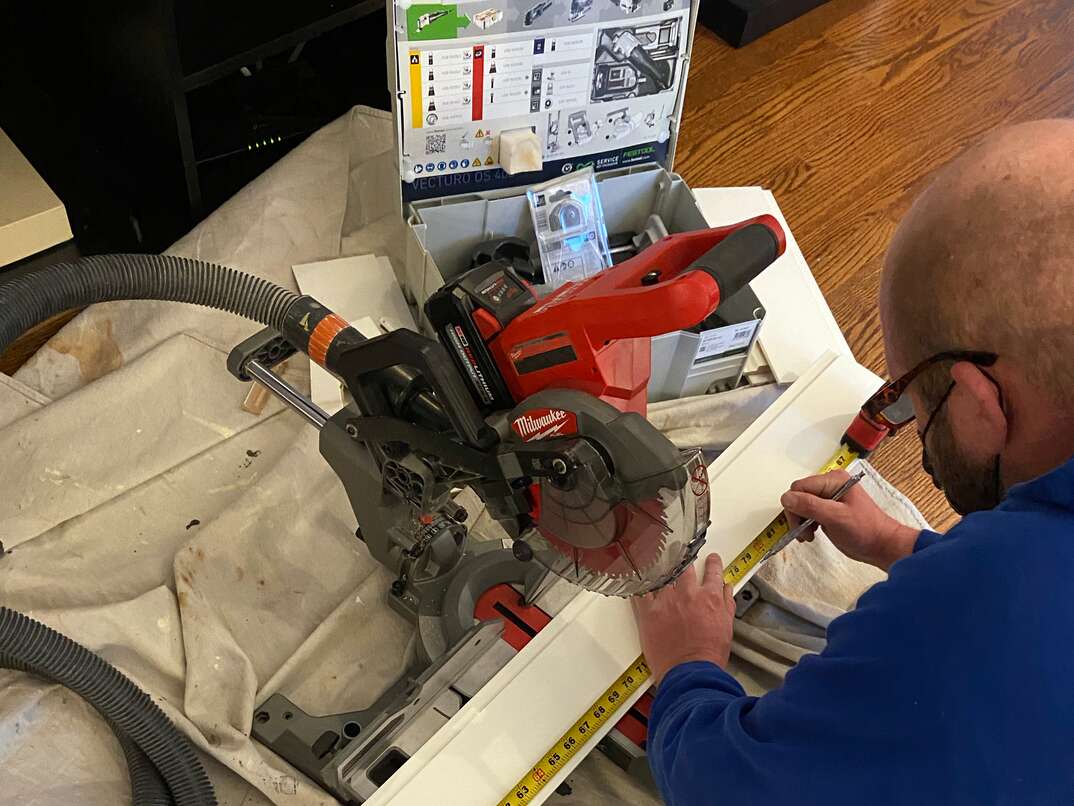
(984, 261)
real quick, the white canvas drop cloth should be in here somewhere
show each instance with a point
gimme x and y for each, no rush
(209, 553)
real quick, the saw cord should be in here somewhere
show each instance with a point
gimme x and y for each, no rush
(162, 764)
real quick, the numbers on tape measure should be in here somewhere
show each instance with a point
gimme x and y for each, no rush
(843, 457)
(604, 710)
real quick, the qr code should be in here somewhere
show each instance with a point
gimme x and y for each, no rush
(435, 143)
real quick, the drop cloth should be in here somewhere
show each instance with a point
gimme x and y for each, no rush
(209, 553)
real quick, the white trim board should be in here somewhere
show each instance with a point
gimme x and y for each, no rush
(798, 325)
(500, 734)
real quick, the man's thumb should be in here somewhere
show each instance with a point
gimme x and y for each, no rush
(805, 506)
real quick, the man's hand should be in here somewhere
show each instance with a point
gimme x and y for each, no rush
(855, 524)
(688, 620)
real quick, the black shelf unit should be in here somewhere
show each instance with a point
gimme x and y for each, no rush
(145, 115)
(239, 83)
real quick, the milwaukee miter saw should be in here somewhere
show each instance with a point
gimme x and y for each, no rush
(521, 419)
(537, 405)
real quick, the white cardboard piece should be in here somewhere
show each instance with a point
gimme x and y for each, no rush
(358, 289)
(496, 738)
(798, 325)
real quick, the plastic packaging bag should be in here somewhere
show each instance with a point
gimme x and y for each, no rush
(569, 223)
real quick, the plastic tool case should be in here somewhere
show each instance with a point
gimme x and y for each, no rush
(586, 83)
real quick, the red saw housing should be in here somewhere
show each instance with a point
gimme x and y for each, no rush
(594, 335)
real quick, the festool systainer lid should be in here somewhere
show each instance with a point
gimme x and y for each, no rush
(600, 82)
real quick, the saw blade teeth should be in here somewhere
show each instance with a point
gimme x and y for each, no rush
(634, 566)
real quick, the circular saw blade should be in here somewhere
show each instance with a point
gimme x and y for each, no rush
(633, 545)
(598, 530)
(616, 507)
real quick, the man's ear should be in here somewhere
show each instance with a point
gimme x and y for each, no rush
(978, 405)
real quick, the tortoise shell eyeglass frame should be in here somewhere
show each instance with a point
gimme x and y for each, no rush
(891, 407)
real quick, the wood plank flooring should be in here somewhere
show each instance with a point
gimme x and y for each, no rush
(845, 112)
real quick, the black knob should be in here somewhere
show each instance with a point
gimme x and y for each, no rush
(652, 278)
(522, 551)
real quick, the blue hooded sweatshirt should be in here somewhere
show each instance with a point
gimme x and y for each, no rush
(951, 682)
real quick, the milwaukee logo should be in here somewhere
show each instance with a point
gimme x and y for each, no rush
(544, 423)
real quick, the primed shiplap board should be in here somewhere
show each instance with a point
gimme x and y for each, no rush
(798, 326)
(498, 736)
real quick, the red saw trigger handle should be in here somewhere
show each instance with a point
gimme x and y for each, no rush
(680, 280)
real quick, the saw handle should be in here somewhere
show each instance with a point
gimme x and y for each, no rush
(740, 257)
(677, 282)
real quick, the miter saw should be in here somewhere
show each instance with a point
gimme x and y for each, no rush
(532, 407)
(537, 405)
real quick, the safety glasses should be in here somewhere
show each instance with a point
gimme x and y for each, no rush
(891, 406)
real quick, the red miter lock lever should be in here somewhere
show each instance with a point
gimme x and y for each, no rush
(594, 335)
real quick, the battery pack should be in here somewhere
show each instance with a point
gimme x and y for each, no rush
(469, 311)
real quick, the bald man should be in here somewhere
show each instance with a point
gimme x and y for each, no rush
(953, 680)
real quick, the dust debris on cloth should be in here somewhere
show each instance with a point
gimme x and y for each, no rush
(209, 552)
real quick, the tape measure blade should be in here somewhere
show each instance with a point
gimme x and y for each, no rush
(750, 558)
(545, 776)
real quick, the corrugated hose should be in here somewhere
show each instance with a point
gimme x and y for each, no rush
(163, 766)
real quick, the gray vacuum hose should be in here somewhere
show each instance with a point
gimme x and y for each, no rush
(163, 766)
(32, 298)
(147, 787)
(29, 646)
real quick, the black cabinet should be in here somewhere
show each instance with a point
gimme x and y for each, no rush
(145, 115)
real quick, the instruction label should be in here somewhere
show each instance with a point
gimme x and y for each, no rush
(594, 79)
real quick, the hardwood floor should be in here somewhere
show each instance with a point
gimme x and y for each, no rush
(845, 112)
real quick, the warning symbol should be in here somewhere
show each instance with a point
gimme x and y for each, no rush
(488, 160)
(479, 133)
(699, 481)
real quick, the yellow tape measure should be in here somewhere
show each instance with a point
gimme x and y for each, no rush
(737, 569)
(606, 708)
